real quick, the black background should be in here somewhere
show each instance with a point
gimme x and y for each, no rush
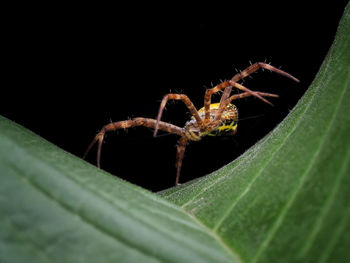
(68, 70)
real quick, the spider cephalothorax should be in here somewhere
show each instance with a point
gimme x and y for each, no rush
(214, 119)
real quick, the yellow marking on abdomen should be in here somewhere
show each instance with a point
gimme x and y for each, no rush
(227, 128)
(213, 106)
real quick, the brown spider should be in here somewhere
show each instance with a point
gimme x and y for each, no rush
(213, 119)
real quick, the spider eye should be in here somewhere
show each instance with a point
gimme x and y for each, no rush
(194, 134)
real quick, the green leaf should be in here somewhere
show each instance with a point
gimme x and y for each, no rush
(285, 200)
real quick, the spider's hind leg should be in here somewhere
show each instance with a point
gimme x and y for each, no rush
(225, 99)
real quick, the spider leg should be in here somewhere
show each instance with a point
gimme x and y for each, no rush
(150, 123)
(207, 97)
(247, 94)
(181, 147)
(259, 65)
(252, 93)
(187, 102)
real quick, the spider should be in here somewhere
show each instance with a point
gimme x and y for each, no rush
(214, 119)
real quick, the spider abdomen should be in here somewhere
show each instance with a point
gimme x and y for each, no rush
(229, 113)
(228, 121)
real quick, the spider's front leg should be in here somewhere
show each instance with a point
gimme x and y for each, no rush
(150, 123)
(188, 103)
(260, 65)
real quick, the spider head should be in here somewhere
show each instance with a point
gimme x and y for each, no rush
(192, 131)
